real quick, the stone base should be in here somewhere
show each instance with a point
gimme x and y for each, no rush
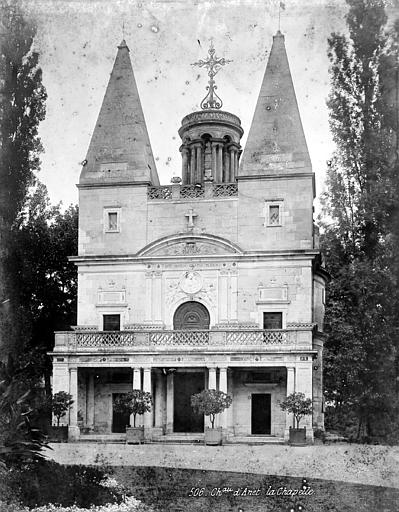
(73, 433)
(309, 435)
(150, 432)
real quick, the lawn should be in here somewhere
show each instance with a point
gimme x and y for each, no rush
(158, 489)
(167, 489)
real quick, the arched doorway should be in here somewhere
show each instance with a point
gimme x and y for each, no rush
(191, 316)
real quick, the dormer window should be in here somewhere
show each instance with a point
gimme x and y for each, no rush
(112, 221)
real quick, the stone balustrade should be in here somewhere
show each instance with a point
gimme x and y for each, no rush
(182, 192)
(285, 339)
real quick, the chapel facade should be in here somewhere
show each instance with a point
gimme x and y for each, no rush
(214, 281)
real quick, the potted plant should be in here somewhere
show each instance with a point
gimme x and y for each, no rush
(59, 404)
(134, 403)
(211, 402)
(300, 406)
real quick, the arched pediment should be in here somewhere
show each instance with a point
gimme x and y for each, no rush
(190, 245)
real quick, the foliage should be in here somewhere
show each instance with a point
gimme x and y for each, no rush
(23, 99)
(135, 402)
(43, 238)
(298, 405)
(359, 234)
(20, 442)
(43, 482)
(210, 402)
(60, 404)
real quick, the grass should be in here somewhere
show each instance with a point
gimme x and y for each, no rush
(167, 489)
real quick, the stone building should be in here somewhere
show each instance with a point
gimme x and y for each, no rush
(214, 281)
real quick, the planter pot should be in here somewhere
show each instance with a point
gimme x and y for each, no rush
(58, 434)
(213, 436)
(297, 436)
(134, 435)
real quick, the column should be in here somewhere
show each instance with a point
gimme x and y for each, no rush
(304, 384)
(148, 296)
(214, 162)
(211, 378)
(219, 177)
(198, 176)
(235, 163)
(222, 297)
(169, 403)
(231, 174)
(90, 400)
(211, 385)
(185, 171)
(192, 165)
(157, 297)
(223, 387)
(233, 297)
(148, 416)
(226, 165)
(136, 384)
(159, 399)
(290, 389)
(73, 430)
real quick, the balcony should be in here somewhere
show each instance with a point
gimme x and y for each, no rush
(187, 192)
(172, 340)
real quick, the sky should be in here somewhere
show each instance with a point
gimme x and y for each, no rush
(77, 41)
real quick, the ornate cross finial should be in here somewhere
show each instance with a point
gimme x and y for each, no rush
(213, 64)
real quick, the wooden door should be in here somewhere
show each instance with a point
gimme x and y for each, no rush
(261, 414)
(191, 316)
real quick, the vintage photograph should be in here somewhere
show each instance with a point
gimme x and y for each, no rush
(199, 255)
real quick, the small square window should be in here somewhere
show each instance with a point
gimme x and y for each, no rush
(112, 220)
(274, 215)
(272, 320)
(111, 322)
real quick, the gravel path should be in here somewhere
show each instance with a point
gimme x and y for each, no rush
(363, 464)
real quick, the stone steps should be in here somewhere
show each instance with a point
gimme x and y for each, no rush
(103, 438)
(181, 438)
(255, 440)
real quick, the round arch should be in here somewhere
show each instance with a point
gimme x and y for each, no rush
(191, 315)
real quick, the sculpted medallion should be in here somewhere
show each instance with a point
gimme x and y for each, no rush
(191, 282)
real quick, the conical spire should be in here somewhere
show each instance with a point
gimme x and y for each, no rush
(120, 149)
(276, 141)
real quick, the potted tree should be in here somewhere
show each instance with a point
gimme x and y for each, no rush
(211, 402)
(60, 403)
(300, 406)
(134, 403)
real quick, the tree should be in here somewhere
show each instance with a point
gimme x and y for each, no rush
(362, 177)
(210, 402)
(60, 404)
(298, 405)
(22, 108)
(135, 402)
(43, 238)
